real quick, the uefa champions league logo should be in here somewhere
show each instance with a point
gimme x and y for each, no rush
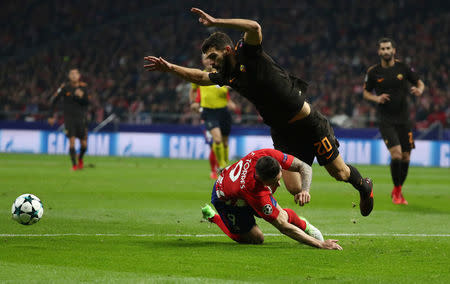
(267, 209)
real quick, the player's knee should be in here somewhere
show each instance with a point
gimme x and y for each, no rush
(406, 156)
(396, 156)
(255, 237)
(258, 239)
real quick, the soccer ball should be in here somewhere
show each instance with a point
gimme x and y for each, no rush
(27, 209)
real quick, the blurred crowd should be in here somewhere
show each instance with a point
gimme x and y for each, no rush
(328, 43)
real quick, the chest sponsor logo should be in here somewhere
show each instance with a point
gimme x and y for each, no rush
(400, 76)
(242, 68)
(379, 80)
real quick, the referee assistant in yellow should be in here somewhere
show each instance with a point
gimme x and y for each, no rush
(213, 101)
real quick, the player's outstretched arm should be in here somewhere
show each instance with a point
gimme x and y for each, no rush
(193, 75)
(253, 33)
(282, 224)
(305, 171)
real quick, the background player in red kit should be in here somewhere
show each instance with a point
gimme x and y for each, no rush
(245, 189)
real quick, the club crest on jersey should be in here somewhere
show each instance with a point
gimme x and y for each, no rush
(267, 209)
(242, 68)
(400, 76)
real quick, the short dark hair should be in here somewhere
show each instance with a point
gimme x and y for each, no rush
(217, 40)
(267, 168)
(385, 39)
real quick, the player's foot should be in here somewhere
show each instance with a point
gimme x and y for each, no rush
(80, 164)
(366, 198)
(399, 199)
(213, 175)
(208, 212)
(74, 167)
(403, 199)
(312, 231)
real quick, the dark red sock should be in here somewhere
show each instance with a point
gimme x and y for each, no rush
(213, 161)
(218, 221)
(295, 220)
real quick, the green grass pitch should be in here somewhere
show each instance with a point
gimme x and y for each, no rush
(138, 220)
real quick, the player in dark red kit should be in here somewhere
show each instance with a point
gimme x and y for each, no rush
(279, 98)
(75, 104)
(390, 79)
(246, 188)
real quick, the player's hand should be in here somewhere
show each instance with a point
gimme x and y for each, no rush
(79, 93)
(302, 198)
(416, 91)
(205, 19)
(330, 244)
(157, 64)
(51, 121)
(383, 98)
(195, 107)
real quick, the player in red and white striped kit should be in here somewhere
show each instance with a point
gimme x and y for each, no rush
(245, 190)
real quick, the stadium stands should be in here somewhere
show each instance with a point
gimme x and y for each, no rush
(329, 43)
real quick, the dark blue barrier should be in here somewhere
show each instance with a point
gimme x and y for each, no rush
(359, 133)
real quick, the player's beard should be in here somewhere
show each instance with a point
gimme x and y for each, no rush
(227, 67)
(387, 57)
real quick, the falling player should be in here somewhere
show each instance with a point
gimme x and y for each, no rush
(245, 190)
(296, 128)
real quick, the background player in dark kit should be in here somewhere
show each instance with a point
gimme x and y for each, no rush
(75, 103)
(390, 79)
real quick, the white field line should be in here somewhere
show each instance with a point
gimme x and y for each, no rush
(217, 235)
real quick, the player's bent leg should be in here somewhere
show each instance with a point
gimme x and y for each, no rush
(344, 172)
(255, 236)
(338, 169)
(237, 222)
(210, 215)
